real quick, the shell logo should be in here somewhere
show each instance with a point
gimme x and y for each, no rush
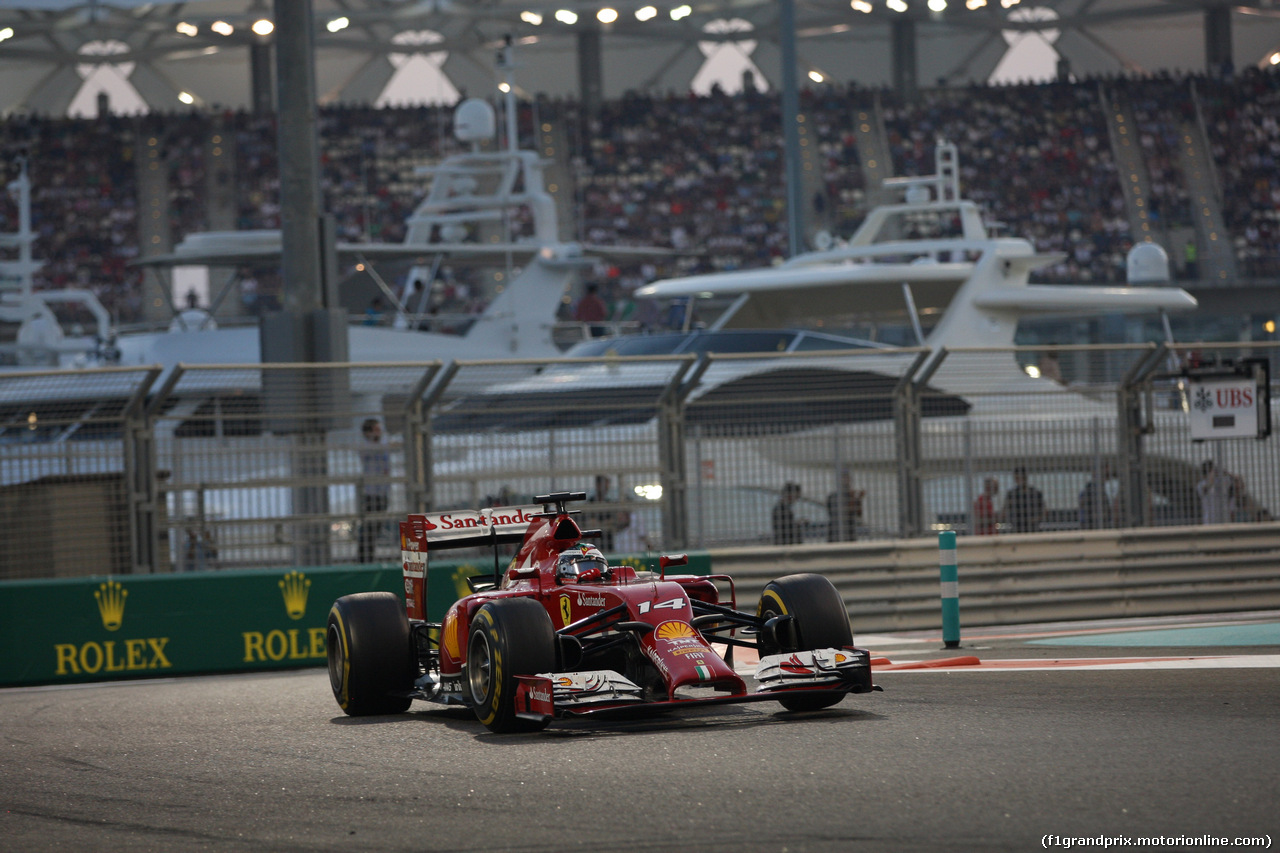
(673, 631)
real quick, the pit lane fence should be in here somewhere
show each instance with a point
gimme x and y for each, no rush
(233, 467)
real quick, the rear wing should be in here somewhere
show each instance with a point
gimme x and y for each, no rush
(464, 528)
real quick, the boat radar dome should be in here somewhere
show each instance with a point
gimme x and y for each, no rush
(474, 121)
(1148, 263)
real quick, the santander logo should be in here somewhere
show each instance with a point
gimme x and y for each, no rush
(478, 519)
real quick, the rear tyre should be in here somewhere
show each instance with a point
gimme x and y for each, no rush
(371, 661)
(820, 621)
(509, 637)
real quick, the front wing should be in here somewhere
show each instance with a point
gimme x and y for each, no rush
(823, 671)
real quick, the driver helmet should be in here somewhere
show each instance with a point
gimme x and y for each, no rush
(583, 563)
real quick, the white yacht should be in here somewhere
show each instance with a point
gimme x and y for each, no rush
(928, 264)
(924, 274)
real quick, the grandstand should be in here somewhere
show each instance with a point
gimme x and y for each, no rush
(1084, 165)
(210, 52)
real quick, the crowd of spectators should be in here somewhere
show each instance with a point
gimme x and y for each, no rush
(683, 171)
(1162, 110)
(84, 200)
(1242, 116)
(1037, 159)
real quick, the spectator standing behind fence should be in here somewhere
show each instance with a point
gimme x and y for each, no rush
(844, 509)
(591, 309)
(375, 466)
(1024, 505)
(1096, 502)
(633, 538)
(1219, 493)
(786, 530)
(199, 551)
(984, 508)
(610, 522)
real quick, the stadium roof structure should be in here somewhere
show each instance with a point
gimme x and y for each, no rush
(202, 53)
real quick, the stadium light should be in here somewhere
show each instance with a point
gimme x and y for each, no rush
(186, 98)
(222, 28)
(504, 87)
(338, 24)
(566, 16)
(187, 29)
(861, 6)
(263, 27)
(937, 5)
(896, 5)
(1275, 57)
(6, 34)
(646, 13)
(531, 18)
(1009, 3)
(816, 76)
(607, 15)
(974, 4)
(681, 12)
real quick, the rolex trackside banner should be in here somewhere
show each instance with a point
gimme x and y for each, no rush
(100, 628)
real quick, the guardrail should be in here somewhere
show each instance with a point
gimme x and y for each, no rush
(139, 471)
(1035, 577)
(101, 628)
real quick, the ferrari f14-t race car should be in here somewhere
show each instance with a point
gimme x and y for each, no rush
(560, 633)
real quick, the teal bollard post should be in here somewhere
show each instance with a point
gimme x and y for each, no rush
(950, 589)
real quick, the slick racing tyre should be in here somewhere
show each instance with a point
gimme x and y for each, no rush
(371, 663)
(819, 619)
(509, 637)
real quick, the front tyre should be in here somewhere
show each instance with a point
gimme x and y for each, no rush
(509, 637)
(819, 619)
(371, 658)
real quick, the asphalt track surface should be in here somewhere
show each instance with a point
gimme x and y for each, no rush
(1038, 738)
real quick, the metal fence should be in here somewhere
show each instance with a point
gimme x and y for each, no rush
(240, 466)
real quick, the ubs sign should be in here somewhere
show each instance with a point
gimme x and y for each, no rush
(1230, 401)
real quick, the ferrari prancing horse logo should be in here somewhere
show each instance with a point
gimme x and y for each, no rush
(565, 612)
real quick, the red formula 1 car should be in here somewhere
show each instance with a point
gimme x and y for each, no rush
(561, 633)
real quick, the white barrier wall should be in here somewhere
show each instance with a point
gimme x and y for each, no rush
(1011, 579)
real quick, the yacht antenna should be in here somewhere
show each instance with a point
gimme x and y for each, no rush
(507, 65)
(24, 269)
(912, 313)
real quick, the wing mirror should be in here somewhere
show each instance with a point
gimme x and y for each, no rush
(671, 560)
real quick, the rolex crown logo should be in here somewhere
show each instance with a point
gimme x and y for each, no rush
(294, 587)
(111, 596)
